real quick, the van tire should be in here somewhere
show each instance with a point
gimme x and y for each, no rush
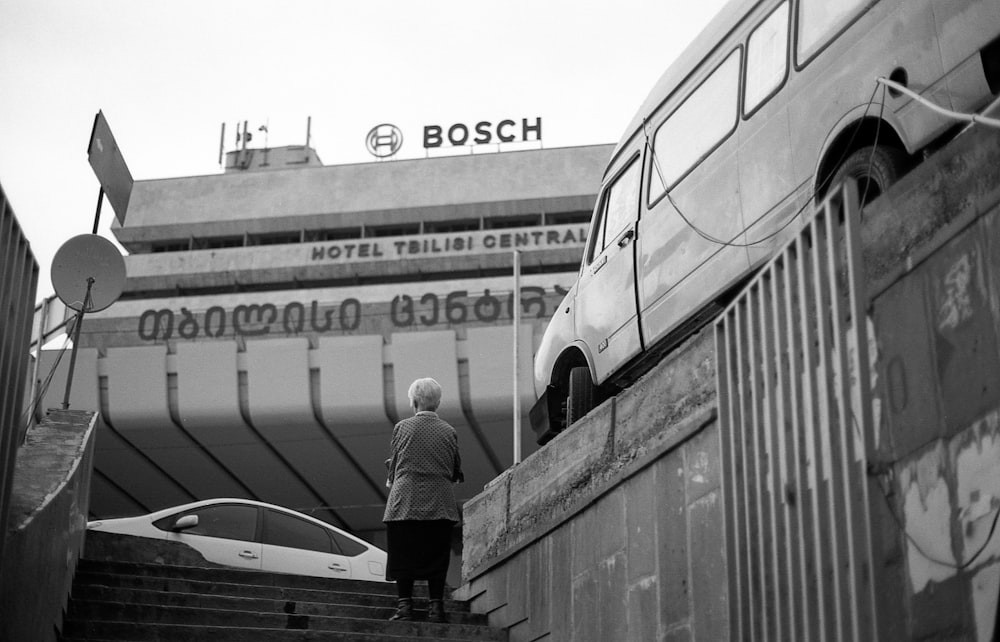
(580, 400)
(875, 168)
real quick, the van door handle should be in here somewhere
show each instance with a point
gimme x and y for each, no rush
(250, 555)
(626, 238)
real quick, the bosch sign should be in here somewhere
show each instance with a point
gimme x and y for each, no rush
(483, 133)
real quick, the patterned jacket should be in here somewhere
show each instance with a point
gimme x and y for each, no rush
(423, 465)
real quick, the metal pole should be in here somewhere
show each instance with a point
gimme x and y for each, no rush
(76, 341)
(43, 322)
(97, 215)
(517, 335)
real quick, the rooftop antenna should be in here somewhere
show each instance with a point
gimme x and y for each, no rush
(222, 142)
(263, 128)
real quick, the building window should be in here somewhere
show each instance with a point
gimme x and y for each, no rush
(280, 238)
(171, 246)
(405, 229)
(498, 222)
(218, 242)
(442, 227)
(563, 218)
(334, 235)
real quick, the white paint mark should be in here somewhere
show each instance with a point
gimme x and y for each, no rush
(927, 513)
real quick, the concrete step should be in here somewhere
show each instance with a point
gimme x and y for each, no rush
(145, 632)
(143, 601)
(295, 601)
(116, 612)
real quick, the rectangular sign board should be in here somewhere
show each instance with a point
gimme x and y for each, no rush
(109, 166)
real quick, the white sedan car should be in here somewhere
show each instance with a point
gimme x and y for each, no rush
(248, 534)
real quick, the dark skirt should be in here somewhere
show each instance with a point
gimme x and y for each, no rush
(418, 549)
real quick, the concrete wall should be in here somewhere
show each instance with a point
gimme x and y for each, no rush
(937, 320)
(614, 530)
(48, 520)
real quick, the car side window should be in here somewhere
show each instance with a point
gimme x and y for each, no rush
(821, 20)
(228, 521)
(347, 546)
(695, 128)
(618, 209)
(767, 58)
(289, 531)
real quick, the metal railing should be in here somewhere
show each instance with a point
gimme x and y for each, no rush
(795, 424)
(18, 282)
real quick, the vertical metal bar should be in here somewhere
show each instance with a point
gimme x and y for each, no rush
(811, 421)
(865, 424)
(737, 477)
(840, 437)
(729, 512)
(752, 610)
(517, 366)
(782, 452)
(852, 475)
(799, 458)
(757, 428)
(771, 494)
(825, 304)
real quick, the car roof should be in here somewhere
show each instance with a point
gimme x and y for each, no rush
(703, 45)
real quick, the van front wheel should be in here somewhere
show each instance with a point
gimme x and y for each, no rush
(580, 400)
(875, 168)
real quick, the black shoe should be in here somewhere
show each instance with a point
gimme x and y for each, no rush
(435, 612)
(404, 609)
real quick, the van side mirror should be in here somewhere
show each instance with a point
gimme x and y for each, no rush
(188, 521)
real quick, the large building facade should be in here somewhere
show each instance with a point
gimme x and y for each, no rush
(275, 314)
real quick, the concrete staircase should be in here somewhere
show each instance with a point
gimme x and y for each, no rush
(139, 602)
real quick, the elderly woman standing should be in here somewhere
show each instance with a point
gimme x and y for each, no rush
(421, 510)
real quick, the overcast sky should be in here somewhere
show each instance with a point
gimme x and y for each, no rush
(168, 74)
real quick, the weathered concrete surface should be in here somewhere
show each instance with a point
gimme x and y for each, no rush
(617, 524)
(597, 521)
(937, 315)
(114, 547)
(51, 494)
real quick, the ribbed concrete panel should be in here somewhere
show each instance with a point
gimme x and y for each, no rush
(352, 398)
(281, 409)
(138, 409)
(434, 354)
(209, 408)
(146, 486)
(490, 352)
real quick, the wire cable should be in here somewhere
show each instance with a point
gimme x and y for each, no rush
(970, 118)
(712, 239)
(32, 408)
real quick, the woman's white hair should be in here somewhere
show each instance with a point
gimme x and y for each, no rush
(425, 393)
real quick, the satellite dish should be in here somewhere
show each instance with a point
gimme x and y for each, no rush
(88, 260)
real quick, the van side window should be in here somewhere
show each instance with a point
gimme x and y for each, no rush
(820, 20)
(694, 129)
(767, 58)
(619, 204)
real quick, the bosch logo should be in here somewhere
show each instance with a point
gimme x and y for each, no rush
(384, 140)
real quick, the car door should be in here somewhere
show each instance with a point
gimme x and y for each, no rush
(225, 534)
(606, 305)
(295, 545)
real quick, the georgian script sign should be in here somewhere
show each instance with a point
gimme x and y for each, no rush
(349, 316)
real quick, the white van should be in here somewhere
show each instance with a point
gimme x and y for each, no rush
(774, 102)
